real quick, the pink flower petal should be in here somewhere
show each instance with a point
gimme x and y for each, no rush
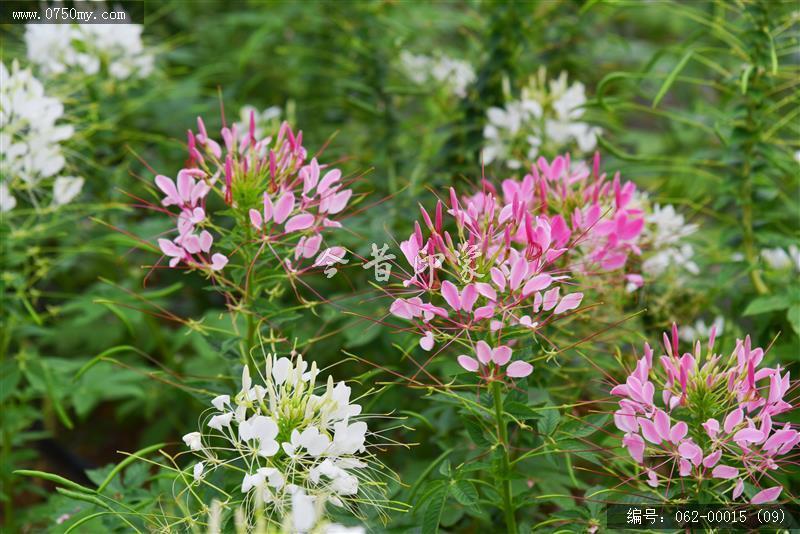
(206, 240)
(484, 312)
(255, 219)
(468, 363)
(426, 341)
(550, 299)
(712, 459)
(537, 283)
(330, 178)
(501, 355)
(725, 471)
(767, 495)
(738, 489)
(218, 262)
(299, 222)
(569, 302)
(484, 352)
(635, 445)
(518, 271)
(678, 432)
(752, 435)
(662, 424)
(468, 297)
(284, 207)
(338, 202)
(168, 187)
(733, 419)
(169, 248)
(519, 369)
(450, 294)
(649, 430)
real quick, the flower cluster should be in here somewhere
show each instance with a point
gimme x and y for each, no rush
(664, 231)
(486, 265)
(60, 48)
(713, 421)
(545, 119)
(286, 441)
(600, 216)
(284, 201)
(31, 140)
(454, 74)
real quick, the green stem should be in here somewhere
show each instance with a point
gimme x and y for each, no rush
(504, 479)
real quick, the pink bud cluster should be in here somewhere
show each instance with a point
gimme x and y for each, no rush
(480, 267)
(715, 421)
(297, 199)
(599, 215)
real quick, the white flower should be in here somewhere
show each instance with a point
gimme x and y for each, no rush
(304, 513)
(30, 139)
(779, 259)
(454, 74)
(666, 226)
(218, 421)
(321, 447)
(60, 48)
(193, 440)
(220, 401)
(197, 471)
(66, 188)
(7, 200)
(681, 256)
(264, 430)
(349, 439)
(540, 117)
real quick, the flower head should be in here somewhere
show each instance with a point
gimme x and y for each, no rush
(709, 421)
(60, 48)
(545, 118)
(32, 156)
(288, 442)
(284, 202)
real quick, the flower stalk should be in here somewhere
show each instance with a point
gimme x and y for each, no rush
(503, 479)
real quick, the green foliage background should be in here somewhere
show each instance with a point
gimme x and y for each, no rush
(699, 106)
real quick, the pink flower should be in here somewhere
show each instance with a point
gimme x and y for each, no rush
(735, 391)
(294, 201)
(491, 360)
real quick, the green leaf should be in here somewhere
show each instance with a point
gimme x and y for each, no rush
(9, 378)
(583, 427)
(133, 457)
(476, 433)
(766, 304)
(793, 316)
(671, 78)
(433, 512)
(464, 492)
(54, 479)
(549, 421)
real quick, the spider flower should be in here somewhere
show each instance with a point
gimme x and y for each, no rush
(581, 204)
(32, 156)
(545, 119)
(284, 440)
(281, 200)
(483, 267)
(708, 421)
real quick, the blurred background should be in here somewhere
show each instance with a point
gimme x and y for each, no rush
(696, 102)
